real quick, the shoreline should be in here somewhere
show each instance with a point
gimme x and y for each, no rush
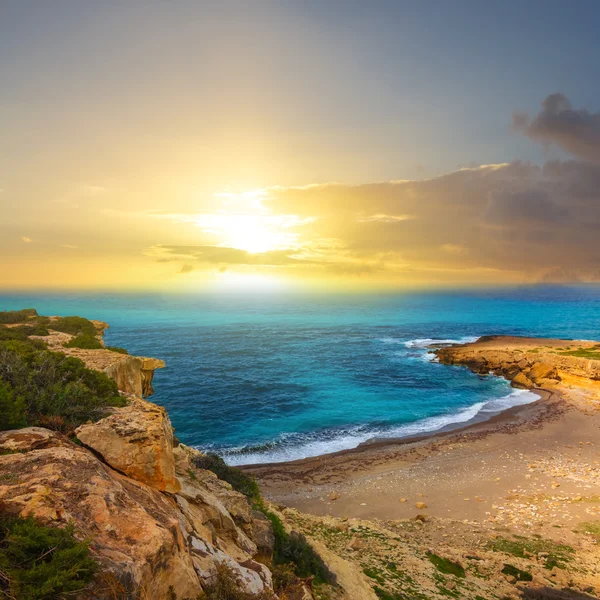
(472, 425)
(483, 471)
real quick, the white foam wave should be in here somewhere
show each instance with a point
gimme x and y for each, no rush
(426, 342)
(352, 437)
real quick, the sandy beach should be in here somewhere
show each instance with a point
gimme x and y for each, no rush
(529, 473)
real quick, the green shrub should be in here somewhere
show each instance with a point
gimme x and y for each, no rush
(445, 565)
(85, 341)
(17, 316)
(73, 325)
(238, 480)
(293, 548)
(58, 391)
(22, 333)
(12, 408)
(117, 349)
(42, 563)
(289, 548)
(517, 573)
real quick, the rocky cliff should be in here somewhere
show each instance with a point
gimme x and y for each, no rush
(159, 527)
(527, 362)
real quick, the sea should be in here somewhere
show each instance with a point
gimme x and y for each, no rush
(275, 376)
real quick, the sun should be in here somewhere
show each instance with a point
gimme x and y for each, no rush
(244, 223)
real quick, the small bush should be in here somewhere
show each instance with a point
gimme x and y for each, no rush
(226, 587)
(445, 565)
(73, 325)
(293, 548)
(117, 349)
(238, 480)
(12, 408)
(42, 563)
(517, 573)
(21, 333)
(17, 316)
(85, 341)
(58, 391)
(289, 548)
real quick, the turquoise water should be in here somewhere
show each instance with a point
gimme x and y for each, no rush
(282, 376)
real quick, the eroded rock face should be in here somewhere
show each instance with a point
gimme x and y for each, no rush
(137, 533)
(136, 440)
(542, 361)
(147, 542)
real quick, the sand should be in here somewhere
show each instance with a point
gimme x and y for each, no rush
(508, 469)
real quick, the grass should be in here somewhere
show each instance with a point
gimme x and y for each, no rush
(375, 574)
(589, 528)
(517, 573)
(38, 562)
(558, 554)
(590, 353)
(445, 565)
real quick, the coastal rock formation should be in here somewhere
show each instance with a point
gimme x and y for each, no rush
(136, 440)
(148, 542)
(137, 533)
(132, 374)
(527, 362)
(158, 526)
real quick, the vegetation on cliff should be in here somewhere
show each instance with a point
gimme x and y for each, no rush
(49, 389)
(290, 548)
(42, 563)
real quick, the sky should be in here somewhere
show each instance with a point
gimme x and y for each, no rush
(172, 144)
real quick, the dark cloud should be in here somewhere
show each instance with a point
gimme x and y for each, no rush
(186, 269)
(575, 130)
(517, 220)
(532, 206)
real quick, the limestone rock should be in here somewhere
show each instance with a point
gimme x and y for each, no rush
(136, 440)
(29, 438)
(135, 530)
(522, 381)
(262, 535)
(543, 370)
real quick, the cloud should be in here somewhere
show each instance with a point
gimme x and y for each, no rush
(516, 221)
(575, 130)
(186, 268)
(26, 239)
(220, 255)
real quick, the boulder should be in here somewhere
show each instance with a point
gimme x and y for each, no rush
(262, 535)
(522, 381)
(29, 438)
(543, 370)
(136, 440)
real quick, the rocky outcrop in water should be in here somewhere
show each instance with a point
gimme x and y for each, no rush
(527, 362)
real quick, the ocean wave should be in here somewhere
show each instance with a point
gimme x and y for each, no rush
(427, 342)
(294, 446)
